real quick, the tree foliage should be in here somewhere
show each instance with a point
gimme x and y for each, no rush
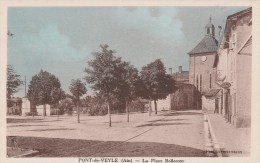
(45, 88)
(104, 73)
(157, 84)
(13, 81)
(78, 89)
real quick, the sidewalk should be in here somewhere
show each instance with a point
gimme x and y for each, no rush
(233, 142)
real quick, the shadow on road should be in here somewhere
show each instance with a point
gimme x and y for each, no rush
(25, 125)
(180, 113)
(55, 147)
(36, 120)
(53, 129)
(166, 120)
(161, 124)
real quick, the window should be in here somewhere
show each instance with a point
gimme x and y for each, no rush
(233, 40)
(200, 82)
(210, 81)
(197, 82)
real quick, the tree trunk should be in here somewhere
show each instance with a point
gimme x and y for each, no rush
(44, 111)
(127, 110)
(78, 111)
(155, 106)
(57, 114)
(109, 114)
(150, 107)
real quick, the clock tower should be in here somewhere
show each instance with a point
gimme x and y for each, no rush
(202, 73)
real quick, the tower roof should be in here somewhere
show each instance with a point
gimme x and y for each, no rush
(207, 44)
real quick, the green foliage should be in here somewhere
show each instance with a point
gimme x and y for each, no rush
(137, 106)
(96, 106)
(103, 72)
(77, 88)
(66, 105)
(13, 81)
(157, 83)
(45, 88)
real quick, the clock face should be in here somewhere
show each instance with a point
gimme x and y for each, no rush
(203, 58)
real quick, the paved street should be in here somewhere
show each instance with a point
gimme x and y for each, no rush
(167, 134)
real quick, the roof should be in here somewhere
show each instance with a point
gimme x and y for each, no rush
(207, 44)
(211, 93)
(234, 17)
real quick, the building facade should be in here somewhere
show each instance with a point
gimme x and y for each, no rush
(185, 95)
(202, 74)
(233, 64)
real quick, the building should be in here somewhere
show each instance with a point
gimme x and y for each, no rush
(202, 72)
(14, 106)
(181, 77)
(233, 64)
(182, 98)
(185, 96)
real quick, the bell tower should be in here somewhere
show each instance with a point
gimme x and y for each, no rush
(210, 29)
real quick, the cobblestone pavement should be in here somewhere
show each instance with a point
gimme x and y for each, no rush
(173, 134)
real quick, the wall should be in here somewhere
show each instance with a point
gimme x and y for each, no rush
(162, 104)
(204, 69)
(40, 110)
(243, 93)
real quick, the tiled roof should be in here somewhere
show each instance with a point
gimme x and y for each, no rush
(207, 44)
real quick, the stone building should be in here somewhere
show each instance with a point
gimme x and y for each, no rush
(14, 106)
(233, 64)
(202, 72)
(184, 97)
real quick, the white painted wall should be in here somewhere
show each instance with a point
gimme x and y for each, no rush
(163, 104)
(25, 106)
(40, 110)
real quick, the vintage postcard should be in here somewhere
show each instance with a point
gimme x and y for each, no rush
(129, 81)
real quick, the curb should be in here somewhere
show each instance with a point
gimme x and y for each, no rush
(214, 139)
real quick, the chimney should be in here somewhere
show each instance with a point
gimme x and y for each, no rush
(170, 71)
(180, 69)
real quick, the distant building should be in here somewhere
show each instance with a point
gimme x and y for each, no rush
(14, 106)
(185, 95)
(181, 77)
(233, 64)
(202, 72)
(183, 98)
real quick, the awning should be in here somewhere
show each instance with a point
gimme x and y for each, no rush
(211, 93)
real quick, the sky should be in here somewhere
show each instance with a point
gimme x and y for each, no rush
(61, 40)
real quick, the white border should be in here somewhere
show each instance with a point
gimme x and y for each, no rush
(255, 136)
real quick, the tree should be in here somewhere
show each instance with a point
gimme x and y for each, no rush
(157, 83)
(78, 89)
(45, 88)
(103, 74)
(57, 94)
(127, 84)
(13, 81)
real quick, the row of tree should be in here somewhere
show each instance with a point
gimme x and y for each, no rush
(114, 78)
(109, 76)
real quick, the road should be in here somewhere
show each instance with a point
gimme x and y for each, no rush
(176, 134)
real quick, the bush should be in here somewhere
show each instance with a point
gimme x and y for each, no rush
(137, 106)
(31, 113)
